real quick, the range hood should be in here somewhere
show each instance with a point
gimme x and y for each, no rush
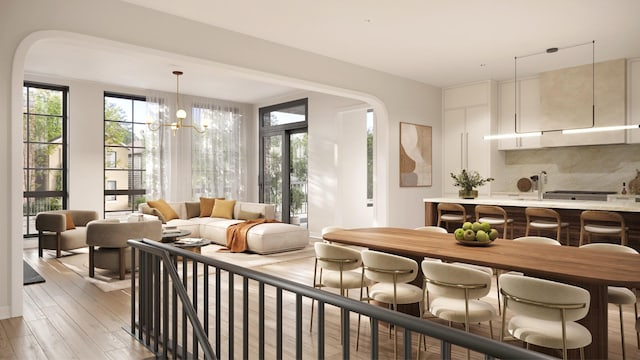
(567, 96)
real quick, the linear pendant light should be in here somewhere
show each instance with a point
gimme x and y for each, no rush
(590, 129)
(515, 134)
(600, 129)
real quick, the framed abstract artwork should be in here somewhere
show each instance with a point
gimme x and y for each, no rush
(415, 155)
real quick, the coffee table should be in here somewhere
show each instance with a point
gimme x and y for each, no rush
(193, 246)
(171, 236)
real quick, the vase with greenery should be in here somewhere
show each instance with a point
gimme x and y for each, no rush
(469, 181)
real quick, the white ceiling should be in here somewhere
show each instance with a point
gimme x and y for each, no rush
(438, 42)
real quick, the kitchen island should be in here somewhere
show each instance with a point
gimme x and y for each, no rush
(569, 211)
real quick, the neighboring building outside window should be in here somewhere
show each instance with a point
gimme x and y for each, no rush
(110, 185)
(124, 147)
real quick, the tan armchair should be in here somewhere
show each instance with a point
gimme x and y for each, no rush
(107, 241)
(55, 234)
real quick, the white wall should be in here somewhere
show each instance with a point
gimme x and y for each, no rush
(22, 22)
(328, 151)
(352, 161)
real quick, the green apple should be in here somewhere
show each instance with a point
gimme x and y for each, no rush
(482, 236)
(459, 233)
(467, 226)
(486, 227)
(476, 226)
(493, 234)
(469, 235)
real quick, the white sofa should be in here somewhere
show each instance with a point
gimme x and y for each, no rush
(262, 238)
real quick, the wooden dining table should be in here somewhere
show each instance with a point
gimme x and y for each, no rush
(591, 270)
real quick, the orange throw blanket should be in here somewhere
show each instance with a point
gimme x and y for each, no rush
(237, 234)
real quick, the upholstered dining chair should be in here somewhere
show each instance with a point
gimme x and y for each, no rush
(459, 290)
(544, 219)
(328, 229)
(602, 223)
(107, 240)
(544, 313)
(433, 229)
(615, 294)
(538, 240)
(391, 275)
(495, 216)
(437, 229)
(451, 213)
(332, 228)
(334, 268)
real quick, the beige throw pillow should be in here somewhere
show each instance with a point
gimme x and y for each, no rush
(223, 209)
(206, 206)
(165, 209)
(249, 215)
(193, 209)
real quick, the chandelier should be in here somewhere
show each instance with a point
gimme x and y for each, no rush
(180, 114)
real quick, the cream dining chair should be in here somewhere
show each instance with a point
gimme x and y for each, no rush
(335, 267)
(545, 313)
(433, 229)
(615, 294)
(459, 290)
(437, 229)
(392, 276)
(538, 240)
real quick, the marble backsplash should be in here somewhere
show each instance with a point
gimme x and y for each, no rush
(597, 168)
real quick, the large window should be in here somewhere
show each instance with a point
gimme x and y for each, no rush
(44, 151)
(124, 142)
(283, 160)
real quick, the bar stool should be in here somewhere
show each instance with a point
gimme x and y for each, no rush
(454, 213)
(495, 215)
(545, 219)
(600, 222)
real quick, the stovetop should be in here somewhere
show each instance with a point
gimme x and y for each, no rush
(577, 195)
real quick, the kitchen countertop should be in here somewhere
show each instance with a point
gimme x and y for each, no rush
(530, 200)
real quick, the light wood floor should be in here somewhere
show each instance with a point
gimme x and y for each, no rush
(69, 318)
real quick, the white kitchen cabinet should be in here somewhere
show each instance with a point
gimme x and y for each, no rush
(466, 120)
(527, 109)
(633, 99)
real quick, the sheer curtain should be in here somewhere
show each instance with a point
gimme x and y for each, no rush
(157, 150)
(218, 159)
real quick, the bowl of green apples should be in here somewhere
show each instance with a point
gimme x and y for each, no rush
(475, 234)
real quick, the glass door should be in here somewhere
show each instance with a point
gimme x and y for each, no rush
(283, 160)
(271, 187)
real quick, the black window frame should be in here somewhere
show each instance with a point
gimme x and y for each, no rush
(27, 194)
(131, 192)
